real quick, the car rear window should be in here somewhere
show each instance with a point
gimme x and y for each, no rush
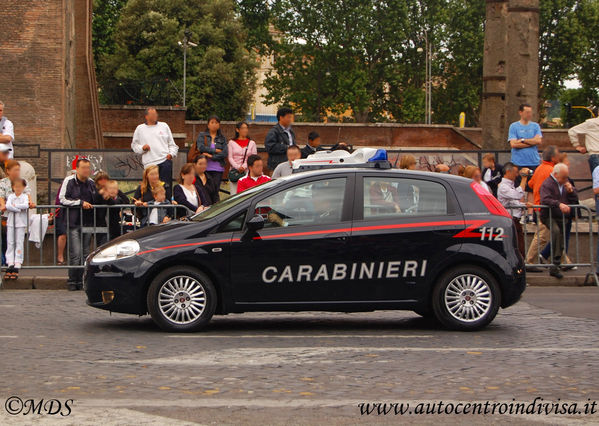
(386, 196)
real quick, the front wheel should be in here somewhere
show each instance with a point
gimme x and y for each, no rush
(181, 299)
(466, 298)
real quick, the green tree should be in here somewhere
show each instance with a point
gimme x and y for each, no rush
(364, 57)
(105, 17)
(561, 41)
(458, 62)
(255, 16)
(220, 70)
(333, 57)
(576, 97)
(588, 64)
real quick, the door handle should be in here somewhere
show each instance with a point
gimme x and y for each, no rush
(343, 238)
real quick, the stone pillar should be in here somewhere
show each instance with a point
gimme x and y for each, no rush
(88, 132)
(523, 62)
(510, 66)
(493, 112)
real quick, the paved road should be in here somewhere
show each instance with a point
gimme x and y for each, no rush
(294, 368)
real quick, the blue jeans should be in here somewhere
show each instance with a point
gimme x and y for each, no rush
(165, 171)
(79, 248)
(593, 162)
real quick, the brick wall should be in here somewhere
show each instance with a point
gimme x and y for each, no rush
(119, 123)
(382, 134)
(32, 72)
(44, 78)
(557, 137)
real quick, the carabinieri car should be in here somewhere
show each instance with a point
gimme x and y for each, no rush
(346, 239)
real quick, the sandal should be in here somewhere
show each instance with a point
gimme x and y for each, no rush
(15, 274)
(9, 275)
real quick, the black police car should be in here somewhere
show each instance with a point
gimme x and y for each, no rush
(338, 239)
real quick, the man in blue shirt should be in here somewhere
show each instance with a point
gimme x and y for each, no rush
(525, 137)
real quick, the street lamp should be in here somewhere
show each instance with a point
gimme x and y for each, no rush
(428, 79)
(185, 44)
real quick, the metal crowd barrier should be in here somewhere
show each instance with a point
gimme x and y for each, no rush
(130, 218)
(570, 229)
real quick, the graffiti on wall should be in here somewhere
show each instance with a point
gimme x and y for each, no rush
(118, 164)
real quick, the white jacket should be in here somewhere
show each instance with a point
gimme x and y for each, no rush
(590, 129)
(160, 140)
(17, 207)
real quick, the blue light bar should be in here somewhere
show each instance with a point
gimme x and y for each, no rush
(379, 155)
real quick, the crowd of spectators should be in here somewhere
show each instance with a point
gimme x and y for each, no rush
(96, 202)
(529, 181)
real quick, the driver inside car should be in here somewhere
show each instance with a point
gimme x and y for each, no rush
(384, 197)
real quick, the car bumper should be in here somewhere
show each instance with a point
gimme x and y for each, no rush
(118, 286)
(513, 289)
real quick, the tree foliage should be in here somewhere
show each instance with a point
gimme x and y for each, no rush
(364, 58)
(220, 70)
(255, 16)
(576, 97)
(392, 87)
(561, 39)
(588, 64)
(105, 17)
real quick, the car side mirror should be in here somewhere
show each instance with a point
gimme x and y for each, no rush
(255, 224)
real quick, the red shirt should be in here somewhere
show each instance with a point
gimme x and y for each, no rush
(249, 182)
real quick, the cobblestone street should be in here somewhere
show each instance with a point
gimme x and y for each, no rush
(289, 367)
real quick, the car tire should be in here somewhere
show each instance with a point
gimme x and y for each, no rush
(466, 298)
(181, 299)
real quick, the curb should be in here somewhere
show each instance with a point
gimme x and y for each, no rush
(35, 283)
(545, 280)
(532, 279)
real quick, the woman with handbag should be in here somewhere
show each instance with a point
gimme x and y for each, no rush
(213, 145)
(240, 149)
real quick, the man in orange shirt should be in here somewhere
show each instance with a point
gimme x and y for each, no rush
(541, 238)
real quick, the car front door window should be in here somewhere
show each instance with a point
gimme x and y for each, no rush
(313, 203)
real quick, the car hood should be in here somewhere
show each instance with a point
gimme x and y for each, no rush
(178, 230)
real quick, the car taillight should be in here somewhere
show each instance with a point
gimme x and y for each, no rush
(490, 202)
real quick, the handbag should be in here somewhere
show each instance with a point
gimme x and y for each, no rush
(234, 174)
(194, 151)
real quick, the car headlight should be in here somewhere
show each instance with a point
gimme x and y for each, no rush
(117, 251)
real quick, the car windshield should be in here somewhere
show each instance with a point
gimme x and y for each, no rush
(228, 203)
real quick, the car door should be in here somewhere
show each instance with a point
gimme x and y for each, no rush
(293, 258)
(403, 226)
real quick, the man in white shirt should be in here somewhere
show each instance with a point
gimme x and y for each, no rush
(511, 198)
(286, 168)
(588, 134)
(154, 141)
(7, 131)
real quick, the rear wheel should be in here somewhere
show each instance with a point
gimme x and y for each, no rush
(181, 299)
(466, 298)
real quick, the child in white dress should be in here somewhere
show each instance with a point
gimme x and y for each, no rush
(17, 205)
